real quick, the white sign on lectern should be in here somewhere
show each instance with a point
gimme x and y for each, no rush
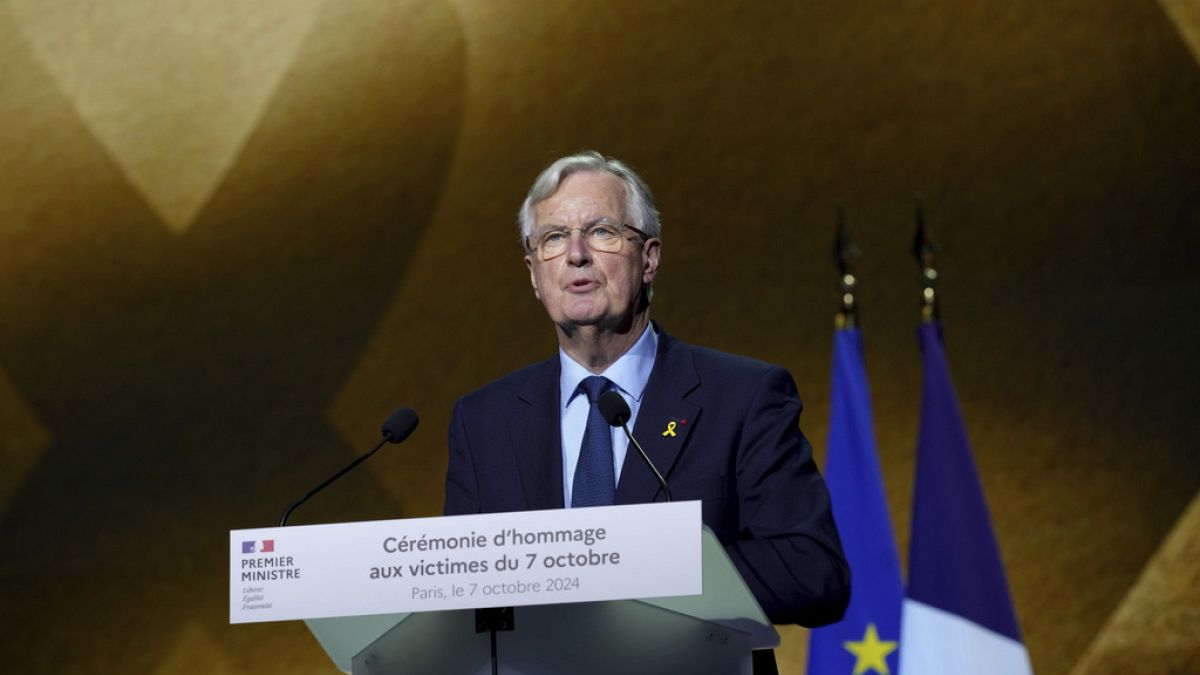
(461, 562)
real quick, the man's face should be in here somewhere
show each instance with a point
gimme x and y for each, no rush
(583, 287)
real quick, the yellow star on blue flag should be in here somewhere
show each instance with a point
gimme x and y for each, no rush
(870, 653)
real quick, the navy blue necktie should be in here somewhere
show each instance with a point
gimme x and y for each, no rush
(595, 483)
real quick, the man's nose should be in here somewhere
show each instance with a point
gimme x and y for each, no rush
(578, 252)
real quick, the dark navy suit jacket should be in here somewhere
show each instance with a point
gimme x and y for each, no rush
(737, 446)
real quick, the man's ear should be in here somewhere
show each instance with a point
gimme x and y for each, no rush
(651, 258)
(532, 277)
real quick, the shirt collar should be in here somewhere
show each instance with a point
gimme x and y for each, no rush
(630, 373)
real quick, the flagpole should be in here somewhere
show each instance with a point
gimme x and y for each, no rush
(867, 639)
(845, 253)
(925, 249)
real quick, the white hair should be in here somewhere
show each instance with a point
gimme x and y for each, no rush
(639, 203)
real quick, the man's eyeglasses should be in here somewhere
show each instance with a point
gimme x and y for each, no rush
(601, 236)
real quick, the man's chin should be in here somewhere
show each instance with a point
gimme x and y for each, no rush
(586, 314)
(585, 321)
(599, 321)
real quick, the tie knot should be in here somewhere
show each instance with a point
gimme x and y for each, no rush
(594, 386)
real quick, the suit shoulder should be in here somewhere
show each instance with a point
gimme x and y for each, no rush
(732, 366)
(513, 384)
(731, 377)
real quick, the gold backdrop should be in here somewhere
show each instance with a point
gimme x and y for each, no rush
(233, 236)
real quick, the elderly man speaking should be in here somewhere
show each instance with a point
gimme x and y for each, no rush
(722, 429)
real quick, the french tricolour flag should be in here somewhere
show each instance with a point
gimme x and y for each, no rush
(957, 616)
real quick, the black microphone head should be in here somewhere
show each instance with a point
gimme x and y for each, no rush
(400, 424)
(614, 408)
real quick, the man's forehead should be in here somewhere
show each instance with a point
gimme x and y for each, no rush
(583, 196)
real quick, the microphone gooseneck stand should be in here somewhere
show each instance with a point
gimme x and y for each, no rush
(494, 619)
(396, 428)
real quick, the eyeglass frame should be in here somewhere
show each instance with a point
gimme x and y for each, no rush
(529, 249)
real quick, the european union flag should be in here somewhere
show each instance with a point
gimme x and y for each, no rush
(958, 617)
(866, 639)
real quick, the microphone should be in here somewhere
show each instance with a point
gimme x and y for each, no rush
(615, 411)
(396, 428)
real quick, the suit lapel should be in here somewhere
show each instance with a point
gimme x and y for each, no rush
(673, 377)
(535, 430)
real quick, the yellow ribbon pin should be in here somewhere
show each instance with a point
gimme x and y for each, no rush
(670, 429)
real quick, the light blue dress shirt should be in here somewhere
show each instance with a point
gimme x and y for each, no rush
(630, 374)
